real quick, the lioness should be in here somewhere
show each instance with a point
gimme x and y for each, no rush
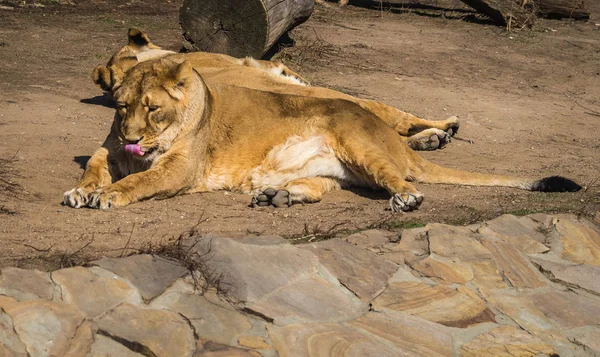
(174, 133)
(270, 76)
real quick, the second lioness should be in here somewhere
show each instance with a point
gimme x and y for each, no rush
(419, 134)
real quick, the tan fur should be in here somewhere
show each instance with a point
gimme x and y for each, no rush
(283, 148)
(268, 76)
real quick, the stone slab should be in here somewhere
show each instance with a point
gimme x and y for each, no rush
(150, 274)
(360, 270)
(451, 307)
(158, 332)
(329, 340)
(410, 335)
(94, 290)
(581, 276)
(309, 300)
(568, 309)
(25, 284)
(248, 272)
(211, 321)
(580, 242)
(505, 341)
(49, 329)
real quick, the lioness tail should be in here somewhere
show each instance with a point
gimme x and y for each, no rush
(428, 172)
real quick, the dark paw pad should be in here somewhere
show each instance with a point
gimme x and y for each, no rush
(271, 197)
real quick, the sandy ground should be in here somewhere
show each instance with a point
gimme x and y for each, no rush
(529, 101)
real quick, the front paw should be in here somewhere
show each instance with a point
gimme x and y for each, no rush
(106, 198)
(77, 197)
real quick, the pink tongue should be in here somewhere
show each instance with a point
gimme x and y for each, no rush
(134, 149)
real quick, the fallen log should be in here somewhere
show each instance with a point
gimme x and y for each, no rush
(239, 27)
(504, 12)
(571, 9)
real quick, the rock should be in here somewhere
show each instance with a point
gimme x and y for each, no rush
(49, 329)
(522, 310)
(310, 300)
(94, 290)
(25, 284)
(570, 310)
(213, 349)
(327, 340)
(444, 270)
(586, 277)
(10, 344)
(151, 332)
(580, 243)
(372, 239)
(81, 341)
(588, 337)
(248, 272)
(107, 347)
(410, 335)
(520, 229)
(363, 272)
(264, 240)
(524, 243)
(150, 274)
(404, 274)
(451, 307)
(456, 242)
(514, 266)
(413, 246)
(210, 321)
(505, 341)
(254, 342)
(486, 276)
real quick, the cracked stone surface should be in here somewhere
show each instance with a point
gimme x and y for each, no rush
(363, 272)
(154, 332)
(438, 303)
(150, 274)
(512, 286)
(26, 284)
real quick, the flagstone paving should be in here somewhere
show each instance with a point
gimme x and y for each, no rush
(512, 286)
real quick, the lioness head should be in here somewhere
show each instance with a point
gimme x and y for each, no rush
(157, 103)
(138, 49)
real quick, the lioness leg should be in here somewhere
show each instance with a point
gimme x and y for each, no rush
(404, 123)
(168, 177)
(382, 160)
(96, 175)
(303, 190)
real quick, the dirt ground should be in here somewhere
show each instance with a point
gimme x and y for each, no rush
(529, 101)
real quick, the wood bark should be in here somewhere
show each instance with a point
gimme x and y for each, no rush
(239, 27)
(504, 12)
(522, 13)
(572, 9)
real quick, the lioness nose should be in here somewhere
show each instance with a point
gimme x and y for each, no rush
(133, 139)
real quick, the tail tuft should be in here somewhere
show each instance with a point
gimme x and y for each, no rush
(555, 184)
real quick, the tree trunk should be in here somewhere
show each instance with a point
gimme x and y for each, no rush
(573, 9)
(239, 27)
(504, 12)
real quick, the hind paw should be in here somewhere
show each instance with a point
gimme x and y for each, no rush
(451, 125)
(429, 139)
(272, 197)
(404, 202)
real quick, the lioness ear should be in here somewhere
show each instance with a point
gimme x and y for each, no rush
(181, 77)
(138, 38)
(101, 76)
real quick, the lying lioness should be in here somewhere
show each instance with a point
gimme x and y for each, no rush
(174, 133)
(270, 76)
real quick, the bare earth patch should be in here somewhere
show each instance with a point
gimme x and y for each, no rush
(528, 102)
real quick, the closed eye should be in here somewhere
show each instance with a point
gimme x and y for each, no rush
(153, 108)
